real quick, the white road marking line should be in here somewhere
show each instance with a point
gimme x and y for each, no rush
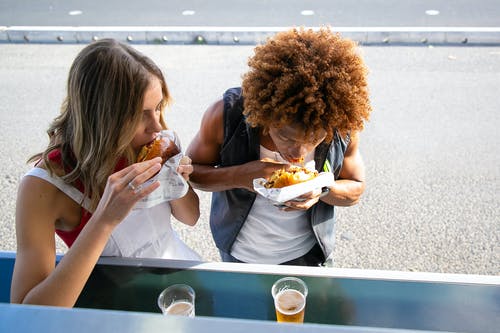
(432, 12)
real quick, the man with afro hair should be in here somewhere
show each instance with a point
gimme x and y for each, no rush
(304, 98)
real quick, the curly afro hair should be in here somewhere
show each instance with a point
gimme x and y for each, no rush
(313, 78)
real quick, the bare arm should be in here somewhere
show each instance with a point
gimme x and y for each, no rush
(36, 279)
(204, 151)
(187, 208)
(347, 190)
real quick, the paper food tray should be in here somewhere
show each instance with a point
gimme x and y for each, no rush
(172, 185)
(284, 194)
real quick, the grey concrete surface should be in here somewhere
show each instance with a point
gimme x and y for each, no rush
(430, 148)
(263, 13)
(248, 22)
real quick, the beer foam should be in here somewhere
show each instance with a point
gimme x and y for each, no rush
(290, 301)
(181, 308)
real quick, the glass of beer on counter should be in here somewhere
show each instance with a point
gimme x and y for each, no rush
(177, 299)
(289, 295)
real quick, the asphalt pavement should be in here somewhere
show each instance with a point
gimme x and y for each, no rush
(249, 22)
(430, 148)
(255, 13)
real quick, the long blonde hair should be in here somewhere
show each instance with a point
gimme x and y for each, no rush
(105, 94)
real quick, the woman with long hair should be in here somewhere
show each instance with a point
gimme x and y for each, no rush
(86, 185)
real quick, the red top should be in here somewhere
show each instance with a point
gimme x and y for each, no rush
(69, 237)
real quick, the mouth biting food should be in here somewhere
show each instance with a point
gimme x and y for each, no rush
(294, 175)
(299, 160)
(159, 147)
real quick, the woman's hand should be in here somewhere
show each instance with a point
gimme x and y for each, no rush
(35, 279)
(125, 188)
(185, 167)
(187, 208)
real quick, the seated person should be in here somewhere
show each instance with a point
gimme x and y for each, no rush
(86, 185)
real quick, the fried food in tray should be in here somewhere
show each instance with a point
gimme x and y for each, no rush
(294, 175)
(285, 185)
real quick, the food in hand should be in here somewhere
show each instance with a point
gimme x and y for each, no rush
(160, 147)
(294, 175)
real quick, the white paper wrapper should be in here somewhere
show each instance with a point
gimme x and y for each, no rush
(173, 185)
(284, 194)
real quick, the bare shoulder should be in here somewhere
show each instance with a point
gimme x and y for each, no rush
(352, 148)
(206, 143)
(41, 204)
(213, 117)
(35, 226)
(353, 165)
(36, 199)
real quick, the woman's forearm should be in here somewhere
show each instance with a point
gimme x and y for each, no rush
(187, 208)
(65, 283)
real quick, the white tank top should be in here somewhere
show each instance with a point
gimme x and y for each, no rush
(270, 235)
(145, 233)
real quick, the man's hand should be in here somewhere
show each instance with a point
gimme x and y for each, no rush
(258, 169)
(303, 202)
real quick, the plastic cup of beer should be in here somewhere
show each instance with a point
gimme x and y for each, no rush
(289, 295)
(177, 299)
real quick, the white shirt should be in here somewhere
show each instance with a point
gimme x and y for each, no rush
(271, 235)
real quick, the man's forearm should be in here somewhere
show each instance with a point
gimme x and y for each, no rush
(344, 193)
(214, 179)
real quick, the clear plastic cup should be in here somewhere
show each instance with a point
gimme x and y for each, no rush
(289, 295)
(178, 299)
